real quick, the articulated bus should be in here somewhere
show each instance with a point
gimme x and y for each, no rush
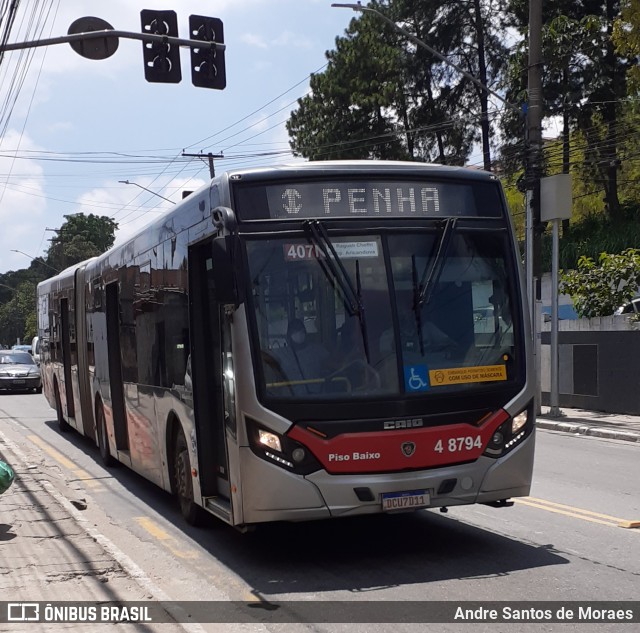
(302, 342)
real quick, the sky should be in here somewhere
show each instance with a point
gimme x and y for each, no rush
(72, 128)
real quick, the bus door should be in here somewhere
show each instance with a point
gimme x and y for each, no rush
(115, 367)
(84, 387)
(66, 356)
(206, 369)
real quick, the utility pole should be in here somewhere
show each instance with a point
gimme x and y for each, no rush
(210, 156)
(534, 172)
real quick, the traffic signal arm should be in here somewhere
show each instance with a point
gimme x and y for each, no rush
(94, 38)
(108, 33)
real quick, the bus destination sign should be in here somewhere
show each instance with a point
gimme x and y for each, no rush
(370, 199)
(376, 199)
(353, 200)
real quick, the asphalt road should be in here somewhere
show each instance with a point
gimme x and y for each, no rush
(567, 542)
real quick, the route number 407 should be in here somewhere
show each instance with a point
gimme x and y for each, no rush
(458, 444)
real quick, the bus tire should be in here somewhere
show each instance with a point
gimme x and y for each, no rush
(103, 438)
(182, 483)
(62, 423)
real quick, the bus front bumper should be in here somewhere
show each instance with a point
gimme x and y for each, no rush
(272, 493)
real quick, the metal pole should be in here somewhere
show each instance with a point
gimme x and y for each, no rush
(112, 33)
(528, 247)
(534, 165)
(210, 156)
(555, 382)
(127, 182)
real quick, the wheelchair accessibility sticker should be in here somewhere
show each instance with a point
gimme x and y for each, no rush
(415, 378)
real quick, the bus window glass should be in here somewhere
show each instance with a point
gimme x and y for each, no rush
(454, 315)
(315, 340)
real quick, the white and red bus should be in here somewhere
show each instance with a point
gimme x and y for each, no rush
(302, 342)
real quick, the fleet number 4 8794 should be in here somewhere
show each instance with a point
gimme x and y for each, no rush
(458, 444)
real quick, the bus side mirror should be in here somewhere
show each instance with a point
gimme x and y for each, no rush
(226, 266)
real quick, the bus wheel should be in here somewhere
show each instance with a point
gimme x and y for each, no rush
(183, 485)
(62, 423)
(103, 438)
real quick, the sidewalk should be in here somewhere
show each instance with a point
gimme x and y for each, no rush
(595, 423)
(50, 552)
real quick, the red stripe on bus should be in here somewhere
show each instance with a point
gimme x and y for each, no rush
(406, 449)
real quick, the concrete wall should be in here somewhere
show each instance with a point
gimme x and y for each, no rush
(599, 364)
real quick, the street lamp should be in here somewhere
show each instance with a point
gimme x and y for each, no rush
(127, 182)
(37, 259)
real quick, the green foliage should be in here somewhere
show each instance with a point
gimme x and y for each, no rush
(584, 82)
(516, 203)
(15, 313)
(599, 289)
(343, 117)
(595, 234)
(626, 35)
(81, 237)
(383, 97)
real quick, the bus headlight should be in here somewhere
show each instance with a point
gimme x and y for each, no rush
(279, 449)
(510, 433)
(519, 421)
(269, 440)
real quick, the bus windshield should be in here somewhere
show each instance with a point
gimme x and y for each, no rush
(420, 312)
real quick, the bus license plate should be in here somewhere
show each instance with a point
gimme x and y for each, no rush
(406, 500)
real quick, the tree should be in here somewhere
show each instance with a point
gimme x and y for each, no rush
(381, 96)
(626, 35)
(599, 289)
(15, 313)
(347, 113)
(80, 237)
(584, 81)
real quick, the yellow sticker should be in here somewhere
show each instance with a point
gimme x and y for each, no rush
(463, 375)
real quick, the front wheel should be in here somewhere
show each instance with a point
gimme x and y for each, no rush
(183, 483)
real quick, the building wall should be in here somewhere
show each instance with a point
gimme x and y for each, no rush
(599, 365)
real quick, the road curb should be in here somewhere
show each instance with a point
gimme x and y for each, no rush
(129, 567)
(576, 428)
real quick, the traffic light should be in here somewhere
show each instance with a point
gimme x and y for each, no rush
(207, 63)
(161, 59)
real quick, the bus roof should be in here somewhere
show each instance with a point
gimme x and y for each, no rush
(407, 168)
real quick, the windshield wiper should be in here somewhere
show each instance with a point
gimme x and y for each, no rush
(423, 291)
(416, 307)
(432, 271)
(334, 269)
